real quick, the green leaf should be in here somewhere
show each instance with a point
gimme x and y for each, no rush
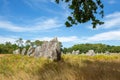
(57, 1)
(67, 24)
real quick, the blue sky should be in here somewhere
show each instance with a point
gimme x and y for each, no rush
(44, 20)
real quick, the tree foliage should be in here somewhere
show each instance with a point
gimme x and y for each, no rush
(7, 48)
(98, 48)
(83, 11)
(19, 42)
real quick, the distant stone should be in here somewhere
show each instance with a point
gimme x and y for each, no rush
(75, 52)
(30, 51)
(90, 53)
(17, 51)
(83, 53)
(68, 53)
(107, 52)
(23, 51)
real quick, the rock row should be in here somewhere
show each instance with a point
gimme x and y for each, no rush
(49, 49)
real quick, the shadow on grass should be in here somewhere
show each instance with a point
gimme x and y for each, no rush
(86, 70)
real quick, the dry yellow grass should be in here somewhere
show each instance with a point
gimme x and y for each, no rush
(71, 67)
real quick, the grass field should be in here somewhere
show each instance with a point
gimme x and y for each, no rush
(71, 67)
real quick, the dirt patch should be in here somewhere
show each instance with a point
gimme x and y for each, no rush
(2, 55)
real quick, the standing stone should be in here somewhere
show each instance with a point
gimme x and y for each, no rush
(73, 52)
(90, 53)
(41, 50)
(37, 51)
(77, 52)
(17, 51)
(23, 51)
(56, 54)
(45, 49)
(51, 50)
(33, 53)
(30, 51)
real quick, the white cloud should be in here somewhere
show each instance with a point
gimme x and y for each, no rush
(34, 3)
(71, 40)
(68, 39)
(10, 26)
(12, 39)
(111, 1)
(106, 36)
(101, 37)
(7, 39)
(40, 4)
(114, 15)
(37, 26)
(111, 21)
(46, 6)
(61, 39)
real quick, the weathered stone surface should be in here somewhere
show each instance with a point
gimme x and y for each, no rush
(23, 51)
(49, 49)
(75, 52)
(32, 54)
(37, 51)
(90, 53)
(30, 50)
(17, 51)
(56, 49)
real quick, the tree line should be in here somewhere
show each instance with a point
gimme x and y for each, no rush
(8, 47)
(98, 48)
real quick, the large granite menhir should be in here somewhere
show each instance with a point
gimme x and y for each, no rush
(75, 52)
(51, 50)
(30, 51)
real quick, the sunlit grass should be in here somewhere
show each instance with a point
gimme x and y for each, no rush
(71, 67)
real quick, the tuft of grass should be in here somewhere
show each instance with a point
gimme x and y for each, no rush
(71, 67)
